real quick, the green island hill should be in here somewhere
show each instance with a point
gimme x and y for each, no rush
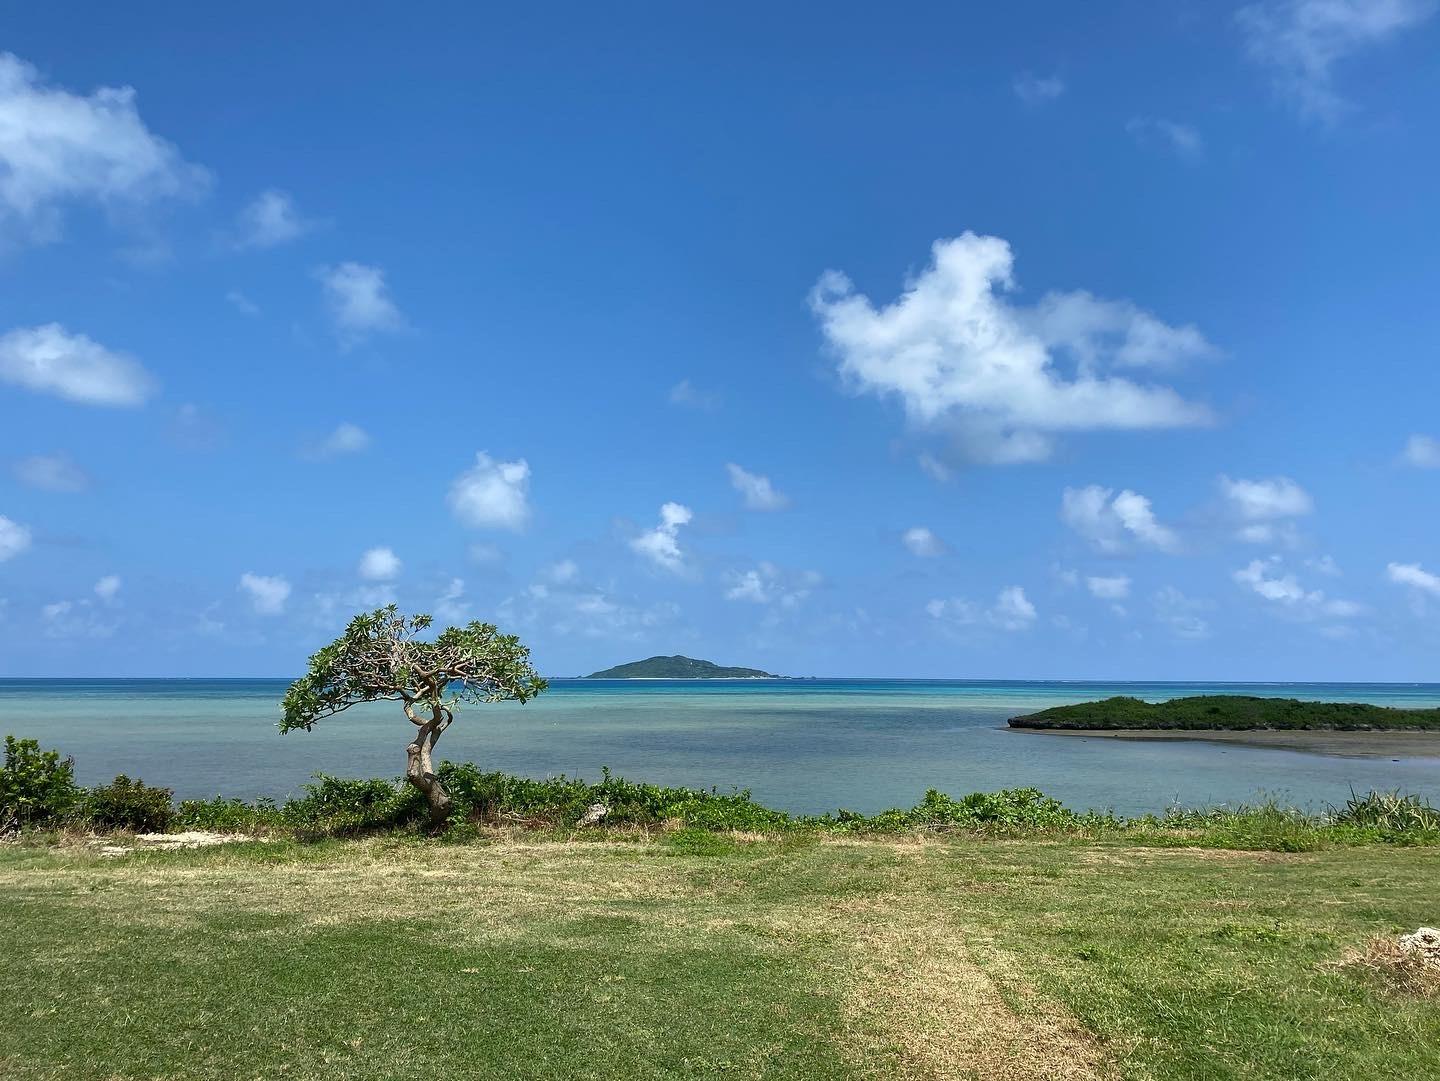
(678, 667)
(1229, 713)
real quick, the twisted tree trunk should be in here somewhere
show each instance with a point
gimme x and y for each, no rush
(420, 768)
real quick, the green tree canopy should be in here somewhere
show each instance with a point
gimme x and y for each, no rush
(382, 658)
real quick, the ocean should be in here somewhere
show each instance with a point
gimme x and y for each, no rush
(801, 745)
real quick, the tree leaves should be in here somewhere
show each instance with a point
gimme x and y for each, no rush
(380, 658)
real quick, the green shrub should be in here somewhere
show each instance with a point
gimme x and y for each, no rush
(124, 804)
(221, 813)
(37, 788)
(337, 805)
(1389, 812)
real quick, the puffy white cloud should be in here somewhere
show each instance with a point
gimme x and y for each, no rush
(14, 538)
(1405, 574)
(492, 494)
(1182, 139)
(347, 438)
(758, 492)
(1303, 40)
(269, 220)
(1264, 500)
(769, 584)
(1002, 377)
(1111, 522)
(1267, 578)
(108, 587)
(922, 542)
(57, 147)
(661, 545)
(359, 302)
(1422, 451)
(267, 594)
(1037, 89)
(379, 565)
(1114, 588)
(51, 473)
(50, 360)
(1012, 611)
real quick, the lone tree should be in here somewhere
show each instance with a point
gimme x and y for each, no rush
(379, 658)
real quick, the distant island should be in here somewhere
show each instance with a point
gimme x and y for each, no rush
(1230, 713)
(678, 667)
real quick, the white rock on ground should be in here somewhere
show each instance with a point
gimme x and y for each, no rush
(1424, 943)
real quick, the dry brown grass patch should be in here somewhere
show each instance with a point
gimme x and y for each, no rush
(1397, 970)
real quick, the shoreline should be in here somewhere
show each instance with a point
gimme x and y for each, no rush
(1330, 742)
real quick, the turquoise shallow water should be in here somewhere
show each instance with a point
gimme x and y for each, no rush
(802, 745)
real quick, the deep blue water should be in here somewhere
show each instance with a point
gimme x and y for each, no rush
(803, 745)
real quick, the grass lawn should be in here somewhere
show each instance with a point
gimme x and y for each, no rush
(698, 955)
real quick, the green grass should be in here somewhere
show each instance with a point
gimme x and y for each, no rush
(696, 954)
(1231, 712)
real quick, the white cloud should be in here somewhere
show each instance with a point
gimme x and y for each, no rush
(1303, 40)
(75, 619)
(485, 553)
(51, 473)
(571, 608)
(58, 148)
(933, 467)
(758, 492)
(1002, 377)
(661, 545)
(107, 588)
(450, 607)
(923, 542)
(269, 220)
(1405, 574)
(1114, 588)
(1179, 614)
(14, 538)
(243, 304)
(563, 572)
(1267, 578)
(1264, 500)
(768, 584)
(347, 438)
(50, 360)
(359, 302)
(1111, 523)
(1182, 139)
(1325, 565)
(492, 494)
(1035, 89)
(688, 394)
(379, 565)
(1422, 451)
(267, 594)
(1012, 611)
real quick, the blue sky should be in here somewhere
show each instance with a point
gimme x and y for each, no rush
(1024, 341)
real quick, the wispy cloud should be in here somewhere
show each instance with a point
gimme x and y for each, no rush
(1037, 89)
(1302, 42)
